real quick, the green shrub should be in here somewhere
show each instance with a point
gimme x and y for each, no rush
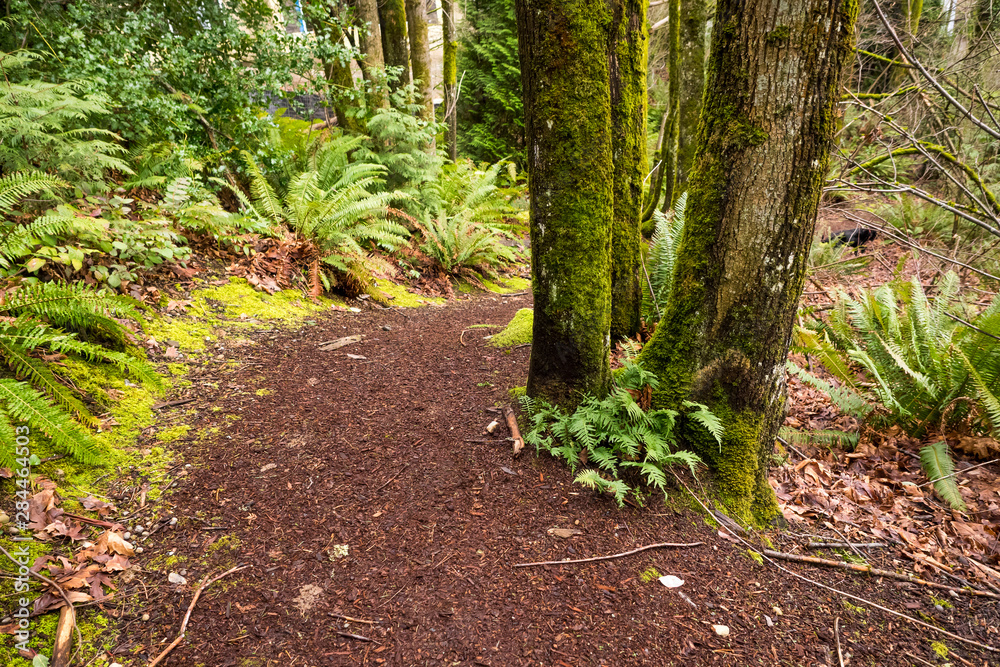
(613, 435)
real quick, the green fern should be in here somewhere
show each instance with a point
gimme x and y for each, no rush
(613, 435)
(662, 259)
(939, 468)
(824, 438)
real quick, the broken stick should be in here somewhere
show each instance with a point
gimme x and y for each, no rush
(660, 545)
(64, 637)
(515, 433)
(902, 576)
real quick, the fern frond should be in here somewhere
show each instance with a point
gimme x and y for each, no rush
(26, 404)
(939, 468)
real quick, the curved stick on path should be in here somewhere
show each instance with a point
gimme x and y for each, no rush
(187, 617)
(660, 545)
(515, 433)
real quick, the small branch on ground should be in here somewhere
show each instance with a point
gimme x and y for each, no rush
(661, 545)
(390, 480)
(187, 617)
(348, 618)
(836, 632)
(846, 545)
(515, 433)
(64, 637)
(358, 637)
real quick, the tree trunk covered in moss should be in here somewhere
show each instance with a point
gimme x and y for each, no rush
(672, 139)
(397, 53)
(420, 54)
(763, 149)
(370, 43)
(338, 74)
(450, 76)
(656, 184)
(563, 48)
(694, 16)
(627, 62)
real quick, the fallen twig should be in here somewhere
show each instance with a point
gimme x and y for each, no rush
(846, 545)
(64, 637)
(187, 617)
(836, 632)
(661, 545)
(348, 618)
(390, 480)
(958, 472)
(856, 567)
(515, 433)
(350, 636)
(987, 647)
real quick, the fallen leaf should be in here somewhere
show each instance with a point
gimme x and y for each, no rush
(721, 630)
(339, 343)
(670, 581)
(564, 533)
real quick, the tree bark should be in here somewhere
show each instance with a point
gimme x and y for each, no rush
(371, 45)
(563, 48)
(420, 54)
(627, 62)
(672, 139)
(394, 47)
(693, 18)
(450, 72)
(656, 184)
(763, 149)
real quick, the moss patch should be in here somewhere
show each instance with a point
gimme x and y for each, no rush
(517, 332)
(396, 295)
(507, 285)
(173, 433)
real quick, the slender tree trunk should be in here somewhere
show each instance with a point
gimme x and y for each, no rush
(338, 74)
(373, 61)
(627, 59)
(656, 184)
(420, 54)
(694, 15)
(397, 53)
(450, 71)
(563, 48)
(763, 149)
(672, 138)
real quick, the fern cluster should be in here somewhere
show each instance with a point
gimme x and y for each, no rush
(662, 259)
(903, 358)
(613, 435)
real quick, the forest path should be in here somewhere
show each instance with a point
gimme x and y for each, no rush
(316, 450)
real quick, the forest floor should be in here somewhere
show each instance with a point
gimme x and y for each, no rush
(380, 525)
(376, 522)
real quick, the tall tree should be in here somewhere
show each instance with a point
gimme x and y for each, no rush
(397, 54)
(671, 140)
(763, 149)
(627, 57)
(693, 38)
(567, 104)
(450, 75)
(370, 43)
(420, 54)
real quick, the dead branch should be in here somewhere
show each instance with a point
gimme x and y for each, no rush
(661, 545)
(187, 617)
(348, 618)
(64, 637)
(845, 545)
(836, 632)
(856, 567)
(358, 637)
(515, 433)
(389, 481)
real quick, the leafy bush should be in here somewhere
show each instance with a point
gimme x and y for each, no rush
(662, 258)
(901, 359)
(399, 141)
(614, 434)
(332, 207)
(44, 318)
(43, 124)
(490, 109)
(459, 246)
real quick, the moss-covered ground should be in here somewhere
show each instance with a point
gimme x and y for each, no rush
(517, 331)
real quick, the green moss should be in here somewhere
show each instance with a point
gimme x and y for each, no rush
(650, 574)
(177, 369)
(173, 433)
(518, 392)
(263, 392)
(517, 332)
(225, 543)
(397, 295)
(779, 35)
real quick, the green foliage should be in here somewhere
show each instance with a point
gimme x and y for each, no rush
(662, 258)
(459, 246)
(490, 109)
(399, 141)
(43, 124)
(614, 435)
(940, 469)
(824, 438)
(837, 257)
(903, 352)
(332, 205)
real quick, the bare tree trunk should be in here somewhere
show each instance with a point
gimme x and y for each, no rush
(627, 57)
(420, 54)
(763, 148)
(370, 44)
(397, 53)
(694, 15)
(563, 47)
(672, 139)
(450, 71)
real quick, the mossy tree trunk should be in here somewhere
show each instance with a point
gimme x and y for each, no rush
(397, 54)
(420, 54)
(373, 62)
(656, 176)
(693, 37)
(563, 49)
(671, 140)
(763, 148)
(450, 72)
(627, 62)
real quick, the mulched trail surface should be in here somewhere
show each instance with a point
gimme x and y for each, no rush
(375, 454)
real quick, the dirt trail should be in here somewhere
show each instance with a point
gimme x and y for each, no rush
(386, 455)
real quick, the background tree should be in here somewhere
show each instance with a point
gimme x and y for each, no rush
(763, 149)
(450, 76)
(397, 54)
(693, 41)
(627, 57)
(370, 44)
(420, 54)
(666, 160)
(567, 103)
